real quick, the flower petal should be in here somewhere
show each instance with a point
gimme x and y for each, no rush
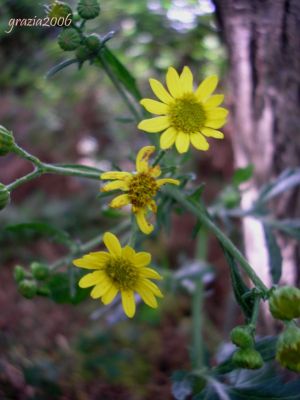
(216, 124)
(155, 107)
(142, 259)
(143, 224)
(163, 181)
(110, 294)
(167, 138)
(128, 253)
(112, 244)
(147, 296)
(199, 141)
(186, 80)
(152, 287)
(217, 113)
(153, 125)
(115, 175)
(115, 185)
(214, 101)
(142, 158)
(212, 133)
(182, 142)
(120, 201)
(94, 260)
(149, 273)
(100, 289)
(155, 171)
(152, 206)
(160, 91)
(91, 279)
(173, 82)
(128, 302)
(206, 88)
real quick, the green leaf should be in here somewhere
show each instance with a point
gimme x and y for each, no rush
(274, 253)
(182, 385)
(59, 286)
(242, 175)
(61, 66)
(121, 72)
(289, 226)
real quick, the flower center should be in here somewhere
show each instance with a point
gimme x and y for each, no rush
(142, 188)
(187, 114)
(122, 272)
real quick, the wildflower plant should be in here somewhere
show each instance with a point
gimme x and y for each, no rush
(124, 274)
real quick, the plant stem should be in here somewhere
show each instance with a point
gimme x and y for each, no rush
(208, 223)
(159, 156)
(27, 156)
(26, 178)
(197, 303)
(255, 311)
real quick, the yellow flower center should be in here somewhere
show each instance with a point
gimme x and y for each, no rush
(142, 188)
(187, 114)
(122, 272)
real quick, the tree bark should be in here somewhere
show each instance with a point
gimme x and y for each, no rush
(263, 42)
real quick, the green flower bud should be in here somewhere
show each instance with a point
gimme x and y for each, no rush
(43, 291)
(59, 9)
(288, 348)
(83, 53)
(88, 9)
(19, 273)
(242, 337)
(27, 288)
(39, 271)
(93, 42)
(284, 303)
(7, 142)
(69, 39)
(230, 197)
(4, 196)
(247, 358)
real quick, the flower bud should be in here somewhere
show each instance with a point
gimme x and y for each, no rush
(6, 141)
(284, 303)
(88, 9)
(247, 358)
(69, 39)
(27, 288)
(39, 271)
(4, 196)
(83, 53)
(242, 337)
(59, 9)
(19, 273)
(93, 42)
(43, 291)
(288, 348)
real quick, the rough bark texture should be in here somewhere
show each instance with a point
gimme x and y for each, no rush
(263, 41)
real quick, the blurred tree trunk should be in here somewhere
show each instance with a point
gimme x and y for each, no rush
(263, 41)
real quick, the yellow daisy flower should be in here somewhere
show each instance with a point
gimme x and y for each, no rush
(119, 270)
(140, 187)
(186, 116)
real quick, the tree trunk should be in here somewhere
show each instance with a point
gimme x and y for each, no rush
(263, 41)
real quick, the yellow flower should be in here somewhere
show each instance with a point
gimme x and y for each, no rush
(119, 270)
(185, 115)
(140, 187)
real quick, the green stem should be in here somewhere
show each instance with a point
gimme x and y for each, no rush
(27, 156)
(26, 178)
(58, 170)
(255, 311)
(197, 304)
(159, 156)
(209, 224)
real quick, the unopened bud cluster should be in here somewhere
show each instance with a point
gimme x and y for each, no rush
(288, 348)
(7, 142)
(30, 283)
(4, 196)
(284, 303)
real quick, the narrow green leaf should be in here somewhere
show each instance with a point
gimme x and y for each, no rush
(242, 175)
(274, 253)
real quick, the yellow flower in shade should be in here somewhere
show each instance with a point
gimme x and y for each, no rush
(140, 187)
(119, 270)
(186, 115)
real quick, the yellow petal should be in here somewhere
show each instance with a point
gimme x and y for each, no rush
(147, 296)
(115, 175)
(217, 113)
(94, 260)
(149, 273)
(163, 181)
(214, 101)
(167, 139)
(155, 107)
(182, 142)
(128, 253)
(142, 158)
(128, 302)
(186, 80)
(87, 264)
(152, 206)
(216, 124)
(212, 133)
(160, 91)
(144, 226)
(91, 279)
(152, 287)
(142, 259)
(153, 125)
(112, 244)
(199, 141)
(206, 88)
(110, 294)
(173, 82)
(155, 171)
(100, 289)
(114, 186)
(120, 201)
